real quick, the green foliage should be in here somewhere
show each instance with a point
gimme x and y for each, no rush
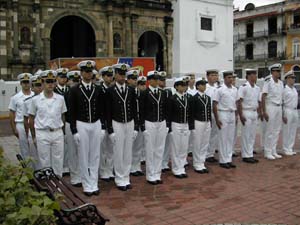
(20, 203)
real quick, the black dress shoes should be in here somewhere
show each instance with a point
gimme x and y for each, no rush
(89, 194)
(105, 179)
(165, 170)
(77, 185)
(159, 182)
(224, 165)
(211, 160)
(122, 188)
(248, 160)
(190, 154)
(231, 165)
(96, 192)
(135, 174)
(128, 186)
(234, 155)
(181, 176)
(152, 182)
(255, 160)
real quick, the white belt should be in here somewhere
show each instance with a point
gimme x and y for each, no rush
(51, 129)
(227, 110)
(274, 104)
(290, 108)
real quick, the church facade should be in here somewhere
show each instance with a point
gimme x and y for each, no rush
(32, 32)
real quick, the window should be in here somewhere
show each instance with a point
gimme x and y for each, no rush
(249, 51)
(272, 24)
(239, 73)
(117, 41)
(296, 48)
(297, 18)
(297, 73)
(249, 30)
(272, 49)
(25, 35)
(262, 72)
(206, 23)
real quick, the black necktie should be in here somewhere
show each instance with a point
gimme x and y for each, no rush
(122, 90)
(88, 88)
(182, 98)
(63, 90)
(155, 93)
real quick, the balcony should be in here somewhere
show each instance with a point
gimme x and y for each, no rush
(259, 57)
(154, 5)
(294, 28)
(258, 34)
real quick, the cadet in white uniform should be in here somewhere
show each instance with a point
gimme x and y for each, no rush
(212, 77)
(224, 108)
(248, 105)
(16, 106)
(290, 114)
(272, 109)
(71, 147)
(37, 88)
(46, 123)
(106, 159)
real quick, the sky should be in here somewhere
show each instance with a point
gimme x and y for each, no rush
(242, 3)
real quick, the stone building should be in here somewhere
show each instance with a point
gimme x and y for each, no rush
(33, 31)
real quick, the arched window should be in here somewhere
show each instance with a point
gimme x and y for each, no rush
(25, 35)
(296, 48)
(296, 69)
(117, 41)
(272, 49)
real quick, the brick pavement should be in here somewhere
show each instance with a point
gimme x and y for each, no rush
(263, 193)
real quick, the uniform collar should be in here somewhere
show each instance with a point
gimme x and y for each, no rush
(61, 87)
(44, 97)
(86, 84)
(179, 95)
(152, 88)
(201, 93)
(119, 86)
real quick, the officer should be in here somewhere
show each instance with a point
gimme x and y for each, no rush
(87, 122)
(71, 147)
(201, 126)
(224, 108)
(138, 143)
(290, 114)
(211, 87)
(178, 121)
(272, 110)
(62, 80)
(248, 106)
(153, 119)
(37, 88)
(106, 159)
(16, 113)
(46, 120)
(122, 125)
(191, 84)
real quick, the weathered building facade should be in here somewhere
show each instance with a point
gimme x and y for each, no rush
(33, 31)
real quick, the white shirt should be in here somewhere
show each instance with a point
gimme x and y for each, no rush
(119, 87)
(48, 111)
(290, 97)
(87, 84)
(153, 89)
(226, 98)
(192, 91)
(273, 90)
(250, 96)
(16, 105)
(26, 106)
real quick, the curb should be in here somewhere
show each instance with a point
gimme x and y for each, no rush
(4, 117)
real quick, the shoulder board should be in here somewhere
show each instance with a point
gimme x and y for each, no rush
(244, 85)
(268, 79)
(29, 98)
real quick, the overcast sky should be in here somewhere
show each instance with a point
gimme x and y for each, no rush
(242, 3)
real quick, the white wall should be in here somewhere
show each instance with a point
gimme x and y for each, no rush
(195, 50)
(7, 90)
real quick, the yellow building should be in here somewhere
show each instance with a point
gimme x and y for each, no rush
(292, 23)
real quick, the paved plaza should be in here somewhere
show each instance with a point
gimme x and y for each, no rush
(263, 193)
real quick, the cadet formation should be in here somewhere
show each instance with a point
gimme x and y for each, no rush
(106, 130)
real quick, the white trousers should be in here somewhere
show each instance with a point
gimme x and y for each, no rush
(137, 148)
(66, 156)
(50, 147)
(167, 152)
(73, 159)
(155, 138)
(106, 160)
(33, 153)
(89, 154)
(226, 136)
(248, 133)
(213, 139)
(289, 130)
(263, 125)
(179, 147)
(122, 149)
(201, 140)
(23, 140)
(273, 127)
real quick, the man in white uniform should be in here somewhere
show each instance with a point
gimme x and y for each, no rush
(46, 121)
(224, 108)
(248, 106)
(16, 113)
(272, 110)
(290, 114)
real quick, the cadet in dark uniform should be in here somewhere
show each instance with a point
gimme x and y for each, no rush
(62, 79)
(87, 118)
(179, 122)
(153, 119)
(121, 125)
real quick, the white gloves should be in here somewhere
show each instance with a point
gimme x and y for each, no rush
(112, 138)
(135, 133)
(76, 139)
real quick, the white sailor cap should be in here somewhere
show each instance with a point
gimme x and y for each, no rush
(121, 68)
(142, 79)
(48, 74)
(152, 74)
(226, 73)
(38, 72)
(62, 72)
(180, 81)
(250, 71)
(275, 67)
(36, 79)
(201, 81)
(209, 71)
(186, 78)
(95, 72)
(73, 74)
(162, 74)
(289, 74)
(24, 76)
(87, 65)
(132, 73)
(107, 70)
